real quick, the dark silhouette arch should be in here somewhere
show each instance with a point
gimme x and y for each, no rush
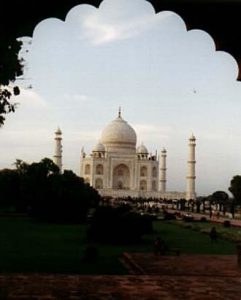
(208, 15)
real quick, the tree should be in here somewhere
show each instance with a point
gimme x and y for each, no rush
(52, 196)
(235, 188)
(71, 199)
(220, 198)
(198, 203)
(10, 67)
(118, 225)
(5, 105)
(39, 189)
(21, 166)
(10, 189)
(48, 166)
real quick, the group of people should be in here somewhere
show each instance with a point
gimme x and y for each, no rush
(211, 214)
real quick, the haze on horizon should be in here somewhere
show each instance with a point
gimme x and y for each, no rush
(170, 83)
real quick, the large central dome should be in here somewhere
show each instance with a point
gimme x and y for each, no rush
(119, 135)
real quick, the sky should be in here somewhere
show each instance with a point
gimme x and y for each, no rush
(169, 82)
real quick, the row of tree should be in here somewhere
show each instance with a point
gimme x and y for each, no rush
(222, 199)
(41, 191)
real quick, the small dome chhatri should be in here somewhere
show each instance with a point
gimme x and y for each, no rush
(142, 149)
(58, 131)
(192, 138)
(119, 134)
(99, 148)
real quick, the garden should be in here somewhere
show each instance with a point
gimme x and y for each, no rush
(31, 246)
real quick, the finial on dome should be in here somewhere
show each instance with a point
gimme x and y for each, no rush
(119, 112)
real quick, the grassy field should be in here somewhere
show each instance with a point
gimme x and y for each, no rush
(28, 246)
(192, 241)
(229, 233)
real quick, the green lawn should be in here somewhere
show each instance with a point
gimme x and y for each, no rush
(229, 233)
(28, 246)
(193, 242)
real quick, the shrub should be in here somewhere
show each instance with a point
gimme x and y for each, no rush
(226, 223)
(169, 216)
(178, 214)
(203, 219)
(90, 254)
(146, 223)
(116, 225)
(188, 218)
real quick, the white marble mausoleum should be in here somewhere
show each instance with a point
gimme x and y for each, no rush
(118, 168)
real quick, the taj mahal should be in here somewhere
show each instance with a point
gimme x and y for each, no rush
(118, 168)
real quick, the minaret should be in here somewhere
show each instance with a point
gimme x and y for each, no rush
(190, 193)
(163, 169)
(58, 149)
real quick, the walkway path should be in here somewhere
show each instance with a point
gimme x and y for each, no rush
(214, 219)
(184, 277)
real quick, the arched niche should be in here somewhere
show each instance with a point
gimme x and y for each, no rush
(121, 177)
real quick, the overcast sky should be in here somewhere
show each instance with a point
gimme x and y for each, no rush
(170, 83)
